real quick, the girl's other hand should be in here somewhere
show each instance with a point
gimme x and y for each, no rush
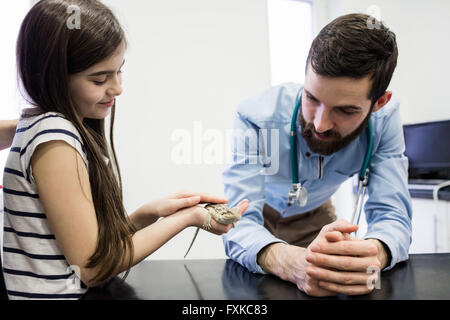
(184, 199)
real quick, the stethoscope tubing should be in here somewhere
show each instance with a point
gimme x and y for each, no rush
(365, 168)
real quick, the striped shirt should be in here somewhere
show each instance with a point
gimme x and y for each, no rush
(34, 266)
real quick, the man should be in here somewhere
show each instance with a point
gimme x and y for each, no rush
(349, 68)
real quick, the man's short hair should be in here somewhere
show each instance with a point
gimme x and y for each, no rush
(354, 46)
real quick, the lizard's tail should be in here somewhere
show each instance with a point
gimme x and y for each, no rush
(192, 242)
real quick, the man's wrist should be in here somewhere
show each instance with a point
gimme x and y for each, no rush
(266, 257)
(384, 254)
(276, 259)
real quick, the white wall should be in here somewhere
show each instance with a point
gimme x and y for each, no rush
(187, 61)
(12, 101)
(195, 60)
(421, 78)
(422, 29)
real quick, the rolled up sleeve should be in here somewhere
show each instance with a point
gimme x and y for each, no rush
(244, 179)
(388, 209)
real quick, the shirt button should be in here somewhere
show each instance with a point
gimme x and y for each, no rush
(307, 154)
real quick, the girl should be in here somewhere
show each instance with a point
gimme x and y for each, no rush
(7, 129)
(64, 213)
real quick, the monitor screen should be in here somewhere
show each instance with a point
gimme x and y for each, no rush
(428, 149)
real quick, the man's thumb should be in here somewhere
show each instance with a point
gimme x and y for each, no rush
(343, 226)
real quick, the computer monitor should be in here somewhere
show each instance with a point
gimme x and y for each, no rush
(428, 149)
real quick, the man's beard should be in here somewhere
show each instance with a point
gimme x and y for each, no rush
(335, 142)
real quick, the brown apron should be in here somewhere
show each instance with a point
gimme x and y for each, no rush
(301, 229)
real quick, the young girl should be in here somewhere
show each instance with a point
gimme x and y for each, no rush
(64, 214)
(7, 129)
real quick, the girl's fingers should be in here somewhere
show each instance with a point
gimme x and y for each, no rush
(204, 197)
(186, 202)
(219, 228)
(170, 206)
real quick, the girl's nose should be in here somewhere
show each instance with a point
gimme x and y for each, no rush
(116, 88)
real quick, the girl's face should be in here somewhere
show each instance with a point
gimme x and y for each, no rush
(94, 90)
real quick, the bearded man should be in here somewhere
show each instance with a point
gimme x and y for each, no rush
(348, 70)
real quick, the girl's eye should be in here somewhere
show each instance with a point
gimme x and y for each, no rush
(99, 83)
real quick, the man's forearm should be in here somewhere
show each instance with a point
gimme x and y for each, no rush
(7, 130)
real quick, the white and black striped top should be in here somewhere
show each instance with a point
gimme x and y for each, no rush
(33, 264)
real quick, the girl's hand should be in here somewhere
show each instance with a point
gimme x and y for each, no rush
(200, 216)
(168, 205)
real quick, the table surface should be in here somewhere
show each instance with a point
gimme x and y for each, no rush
(423, 276)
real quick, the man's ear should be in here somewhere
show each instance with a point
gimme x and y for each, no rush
(382, 101)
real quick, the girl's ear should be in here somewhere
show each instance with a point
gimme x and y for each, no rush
(382, 101)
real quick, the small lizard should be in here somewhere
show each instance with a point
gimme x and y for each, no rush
(219, 212)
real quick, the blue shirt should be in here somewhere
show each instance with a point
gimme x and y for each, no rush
(260, 171)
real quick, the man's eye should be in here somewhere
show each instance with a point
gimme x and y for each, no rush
(346, 112)
(310, 97)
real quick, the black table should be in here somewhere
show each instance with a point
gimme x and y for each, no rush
(427, 193)
(423, 276)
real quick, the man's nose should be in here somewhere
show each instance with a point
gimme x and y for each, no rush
(322, 119)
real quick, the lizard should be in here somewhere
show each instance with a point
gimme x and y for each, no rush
(219, 212)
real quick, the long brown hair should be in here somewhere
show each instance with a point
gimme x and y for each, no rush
(350, 46)
(48, 52)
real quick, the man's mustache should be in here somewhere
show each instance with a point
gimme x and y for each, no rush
(310, 129)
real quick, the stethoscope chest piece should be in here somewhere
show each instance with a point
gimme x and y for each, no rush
(298, 195)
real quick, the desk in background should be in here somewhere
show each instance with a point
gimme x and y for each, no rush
(428, 152)
(430, 219)
(423, 276)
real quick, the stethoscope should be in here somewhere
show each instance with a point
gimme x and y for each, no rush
(298, 193)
